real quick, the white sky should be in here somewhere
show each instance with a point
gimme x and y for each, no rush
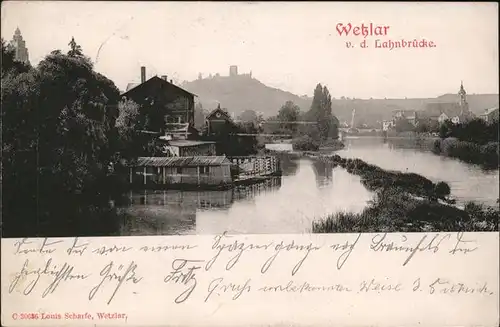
(292, 46)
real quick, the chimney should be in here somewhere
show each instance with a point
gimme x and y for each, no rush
(171, 82)
(164, 77)
(143, 74)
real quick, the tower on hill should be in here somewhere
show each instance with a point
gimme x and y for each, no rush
(19, 46)
(233, 70)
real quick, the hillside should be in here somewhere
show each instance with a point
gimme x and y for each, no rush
(242, 92)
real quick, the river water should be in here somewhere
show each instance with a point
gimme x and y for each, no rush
(308, 190)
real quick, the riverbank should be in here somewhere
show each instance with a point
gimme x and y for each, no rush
(486, 155)
(405, 202)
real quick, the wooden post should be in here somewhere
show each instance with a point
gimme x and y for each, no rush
(145, 171)
(198, 173)
(130, 174)
(164, 176)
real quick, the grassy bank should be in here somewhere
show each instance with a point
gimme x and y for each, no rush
(375, 178)
(486, 155)
(405, 202)
(306, 143)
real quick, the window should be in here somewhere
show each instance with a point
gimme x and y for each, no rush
(179, 170)
(204, 170)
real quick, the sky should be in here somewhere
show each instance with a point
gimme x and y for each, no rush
(291, 46)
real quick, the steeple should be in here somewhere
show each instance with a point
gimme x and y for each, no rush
(19, 45)
(463, 98)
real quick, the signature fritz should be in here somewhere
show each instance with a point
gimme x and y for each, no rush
(183, 272)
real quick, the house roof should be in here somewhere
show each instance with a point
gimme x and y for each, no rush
(489, 111)
(182, 161)
(131, 86)
(451, 109)
(221, 111)
(187, 143)
(154, 79)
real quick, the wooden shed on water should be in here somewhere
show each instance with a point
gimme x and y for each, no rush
(179, 172)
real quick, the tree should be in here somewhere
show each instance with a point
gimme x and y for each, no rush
(75, 49)
(403, 125)
(321, 112)
(289, 112)
(445, 130)
(249, 116)
(58, 126)
(199, 115)
(9, 64)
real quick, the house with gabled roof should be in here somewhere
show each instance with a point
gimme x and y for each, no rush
(162, 100)
(217, 120)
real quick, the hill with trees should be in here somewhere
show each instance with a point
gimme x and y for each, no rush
(242, 92)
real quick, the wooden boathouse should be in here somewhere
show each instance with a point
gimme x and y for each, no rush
(179, 172)
(200, 172)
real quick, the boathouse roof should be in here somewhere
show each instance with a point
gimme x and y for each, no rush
(185, 143)
(182, 161)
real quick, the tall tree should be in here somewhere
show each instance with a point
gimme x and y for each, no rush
(321, 112)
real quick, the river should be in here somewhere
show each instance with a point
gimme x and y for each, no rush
(307, 190)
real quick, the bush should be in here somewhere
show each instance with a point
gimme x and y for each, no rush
(305, 143)
(486, 155)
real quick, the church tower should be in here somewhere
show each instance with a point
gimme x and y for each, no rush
(19, 46)
(463, 98)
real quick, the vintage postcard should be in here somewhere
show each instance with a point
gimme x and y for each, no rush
(249, 164)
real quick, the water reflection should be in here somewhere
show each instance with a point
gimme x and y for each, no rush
(468, 182)
(307, 190)
(174, 212)
(324, 172)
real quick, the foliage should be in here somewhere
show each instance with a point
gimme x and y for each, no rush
(321, 112)
(59, 123)
(199, 116)
(9, 64)
(394, 211)
(427, 126)
(486, 155)
(475, 131)
(230, 140)
(289, 112)
(405, 203)
(403, 125)
(306, 143)
(446, 128)
(249, 116)
(375, 178)
(75, 49)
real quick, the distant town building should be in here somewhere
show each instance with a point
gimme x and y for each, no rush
(490, 115)
(387, 125)
(233, 70)
(457, 112)
(19, 46)
(410, 115)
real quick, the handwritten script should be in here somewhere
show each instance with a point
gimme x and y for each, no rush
(213, 270)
